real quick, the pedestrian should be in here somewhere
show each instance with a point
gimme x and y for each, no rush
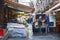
(40, 23)
(30, 20)
(47, 24)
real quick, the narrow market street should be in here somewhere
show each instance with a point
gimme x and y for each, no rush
(40, 37)
(29, 19)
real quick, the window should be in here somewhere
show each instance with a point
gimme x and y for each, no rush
(24, 2)
(14, 0)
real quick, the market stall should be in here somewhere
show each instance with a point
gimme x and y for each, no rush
(8, 10)
(15, 29)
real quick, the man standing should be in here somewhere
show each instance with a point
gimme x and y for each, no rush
(47, 24)
(40, 23)
(30, 20)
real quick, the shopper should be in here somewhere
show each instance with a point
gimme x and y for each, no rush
(43, 21)
(40, 23)
(47, 24)
(36, 26)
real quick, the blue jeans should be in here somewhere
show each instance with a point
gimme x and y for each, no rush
(47, 28)
(40, 28)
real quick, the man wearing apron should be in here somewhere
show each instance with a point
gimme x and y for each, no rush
(30, 20)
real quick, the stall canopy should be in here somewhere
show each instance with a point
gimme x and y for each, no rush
(19, 6)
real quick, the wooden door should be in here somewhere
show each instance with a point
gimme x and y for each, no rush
(58, 21)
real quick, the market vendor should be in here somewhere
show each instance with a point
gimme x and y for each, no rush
(21, 20)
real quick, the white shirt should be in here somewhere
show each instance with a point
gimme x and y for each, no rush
(21, 20)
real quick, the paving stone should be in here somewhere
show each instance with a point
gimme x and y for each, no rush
(40, 37)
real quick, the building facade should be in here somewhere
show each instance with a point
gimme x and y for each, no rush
(42, 5)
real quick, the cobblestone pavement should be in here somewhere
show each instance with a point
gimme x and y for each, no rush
(40, 37)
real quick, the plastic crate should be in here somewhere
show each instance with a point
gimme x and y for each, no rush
(2, 32)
